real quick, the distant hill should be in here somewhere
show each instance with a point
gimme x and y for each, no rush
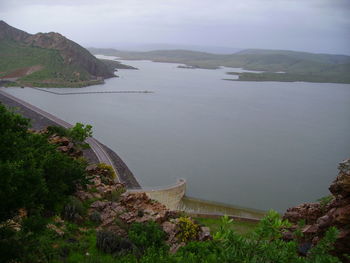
(297, 66)
(47, 59)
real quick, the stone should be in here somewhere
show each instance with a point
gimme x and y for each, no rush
(319, 218)
(99, 205)
(324, 221)
(204, 234)
(341, 185)
(342, 215)
(309, 229)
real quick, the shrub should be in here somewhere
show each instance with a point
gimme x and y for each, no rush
(74, 210)
(96, 217)
(147, 235)
(80, 132)
(188, 230)
(34, 175)
(59, 130)
(109, 242)
(109, 171)
(325, 200)
(114, 195)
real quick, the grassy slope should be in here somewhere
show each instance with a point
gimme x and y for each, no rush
(299, 65)
(54, 72)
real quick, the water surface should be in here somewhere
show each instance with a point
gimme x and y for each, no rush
(254, 144)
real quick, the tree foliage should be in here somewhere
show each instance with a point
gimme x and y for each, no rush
(34, 175)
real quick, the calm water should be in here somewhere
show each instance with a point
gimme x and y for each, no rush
(255, 144)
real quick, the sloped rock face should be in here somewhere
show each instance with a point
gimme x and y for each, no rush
(319, 217)
(9, 32)
(117, 215)
(341, 186)
(71, 52)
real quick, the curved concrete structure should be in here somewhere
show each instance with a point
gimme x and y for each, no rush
(170, 196)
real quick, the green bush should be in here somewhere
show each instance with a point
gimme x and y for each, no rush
(114, 195)
(95, 217)
(59, 130)
(109, 242)
(34, 175)
(80, 132)
(74, 210)
(188, 230)
(147, 235)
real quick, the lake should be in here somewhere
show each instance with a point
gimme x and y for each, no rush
(254, 144)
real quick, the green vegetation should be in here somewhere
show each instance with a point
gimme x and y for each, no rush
(298, 66)
(147, 236)
(325, 77)
(239, 227)
(34, 175)
(80, 132)
(48, 66)
(146, 243)
(188, 229)
(39, 180)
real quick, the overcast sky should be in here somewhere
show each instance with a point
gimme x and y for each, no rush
(310, 25)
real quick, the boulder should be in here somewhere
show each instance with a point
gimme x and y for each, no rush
(320, 217)
(341, 185)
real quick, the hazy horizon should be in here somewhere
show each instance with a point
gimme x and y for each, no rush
(217, 27)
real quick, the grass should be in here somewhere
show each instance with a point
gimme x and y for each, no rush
(215, 223)
(54, 71)
(291, 77)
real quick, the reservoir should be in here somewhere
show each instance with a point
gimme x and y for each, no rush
(253, 144)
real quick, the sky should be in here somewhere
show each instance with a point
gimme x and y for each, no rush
(320, 26)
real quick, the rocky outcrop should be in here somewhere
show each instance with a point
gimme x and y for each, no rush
(318, 217)
(114, 210)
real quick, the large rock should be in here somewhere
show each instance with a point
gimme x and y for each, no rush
(319, 218)
(309, 212)
(341, 185)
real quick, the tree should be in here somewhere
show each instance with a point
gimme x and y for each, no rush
(33, 174)
(80, 132)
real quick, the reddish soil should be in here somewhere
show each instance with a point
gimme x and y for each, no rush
(23, 72)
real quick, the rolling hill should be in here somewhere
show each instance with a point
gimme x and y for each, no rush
(296, 66)
(47, 59)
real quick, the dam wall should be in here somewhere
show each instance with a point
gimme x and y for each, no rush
(173, 197)
(211, 209)
(170, 196)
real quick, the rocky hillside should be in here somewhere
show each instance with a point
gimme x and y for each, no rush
(315, 218)
(48, 59)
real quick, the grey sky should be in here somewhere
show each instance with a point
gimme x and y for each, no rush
(311, 25)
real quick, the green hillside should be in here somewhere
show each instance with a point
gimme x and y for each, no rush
(298, 66)
(47, 65)
(47, 59)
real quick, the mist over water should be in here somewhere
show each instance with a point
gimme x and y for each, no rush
(255, 144)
